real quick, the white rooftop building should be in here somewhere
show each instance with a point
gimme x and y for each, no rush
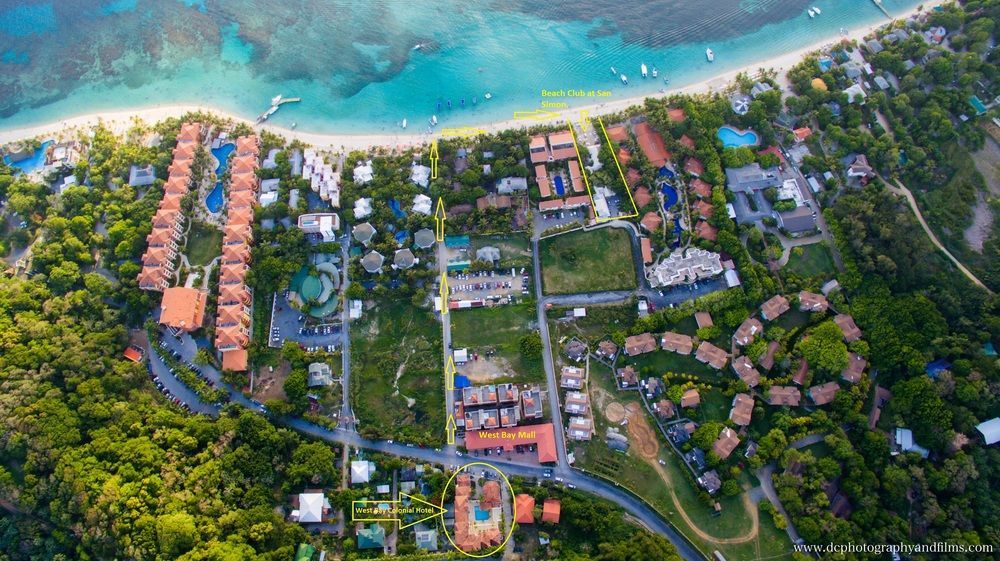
(361, 471)
(311, 508)
(420, 175)
(789, 189)
(324, 223)
(362, 208)
(990, 430)
(322, 178)
(682, 267)
(364, 172)
(422, 204)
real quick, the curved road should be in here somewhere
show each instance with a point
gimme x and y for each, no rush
(592, 485)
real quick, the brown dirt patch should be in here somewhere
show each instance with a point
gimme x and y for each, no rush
(268, 385)
(614, 412)
(485, 369)
(642, 435)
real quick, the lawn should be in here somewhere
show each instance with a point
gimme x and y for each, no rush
(661, 362)
(808, 261)
(500, 328)
(204, 243)
(397, 381)
(582, 261)
(515, 249)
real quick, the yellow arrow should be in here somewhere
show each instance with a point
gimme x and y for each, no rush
(449, 374)
(584, 115)
(450, 428)
(462, 131)
(434, 159)
(444, 293)
(395, 511)
(439, 218)
(536, 115)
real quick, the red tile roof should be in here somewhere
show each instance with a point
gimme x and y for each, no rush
(651, 144)
(646, 249)
(550, 511)
(541, 435)
(524, 506)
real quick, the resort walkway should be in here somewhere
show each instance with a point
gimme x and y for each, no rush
(898, 188)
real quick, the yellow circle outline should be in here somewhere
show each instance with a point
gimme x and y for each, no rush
(513, 509)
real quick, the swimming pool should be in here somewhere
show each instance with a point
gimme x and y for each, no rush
(33, 163)
(396, 210)
(732, 138)
(213, 202)
(222, 154)
(560, 188)
(670, 196)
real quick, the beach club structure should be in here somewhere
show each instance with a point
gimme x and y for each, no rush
(159, 263)
(235, 303)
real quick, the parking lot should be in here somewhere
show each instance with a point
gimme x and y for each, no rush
(560, 217)
(489, 285)
(289, 324)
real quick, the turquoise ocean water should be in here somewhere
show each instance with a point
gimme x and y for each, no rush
(354, 64)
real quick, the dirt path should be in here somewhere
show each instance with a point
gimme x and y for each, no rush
(648, 447)
(899, 189)
(987, 161)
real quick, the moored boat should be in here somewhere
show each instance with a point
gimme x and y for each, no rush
(709, 55)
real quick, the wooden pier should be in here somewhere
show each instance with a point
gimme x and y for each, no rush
(881, 7)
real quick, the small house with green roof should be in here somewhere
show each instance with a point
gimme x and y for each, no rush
(371, 537)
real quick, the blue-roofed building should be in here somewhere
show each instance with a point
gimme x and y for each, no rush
(462, 382)
(427, 540)
(371, 537)
(936, 367)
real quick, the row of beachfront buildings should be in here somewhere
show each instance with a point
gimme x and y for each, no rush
(183, 308)
(159, 262)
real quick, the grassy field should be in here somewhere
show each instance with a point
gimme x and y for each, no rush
(811, 260)
(396, 354)
(660, 362)
(501, 328)
(587, 262)
(204, 243)
(515, 249)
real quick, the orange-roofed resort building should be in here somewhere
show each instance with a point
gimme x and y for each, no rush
(477, 521)
(235, 303)
(159, 262)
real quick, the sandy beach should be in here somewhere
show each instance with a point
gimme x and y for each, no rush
(120, 121)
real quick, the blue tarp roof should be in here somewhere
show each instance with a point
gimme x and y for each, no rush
(462, 382)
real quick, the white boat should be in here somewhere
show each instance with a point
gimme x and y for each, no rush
(655, 73)
(644, 71)
(434, 120)
(613, 71)
(276, 99)
(294, 125)
(403, 123)
(624, 79)
(817, 10)
(710, 55)
(488, 95)
(418, 46)
(811, 13)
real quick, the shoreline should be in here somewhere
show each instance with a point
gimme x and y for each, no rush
(119, 121)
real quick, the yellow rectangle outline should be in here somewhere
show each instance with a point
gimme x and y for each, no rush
(621, 174)
(366, 501)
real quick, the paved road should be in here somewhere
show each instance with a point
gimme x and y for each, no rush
(449, 395)
(583, 482)
(899, 189)
(346, 413)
